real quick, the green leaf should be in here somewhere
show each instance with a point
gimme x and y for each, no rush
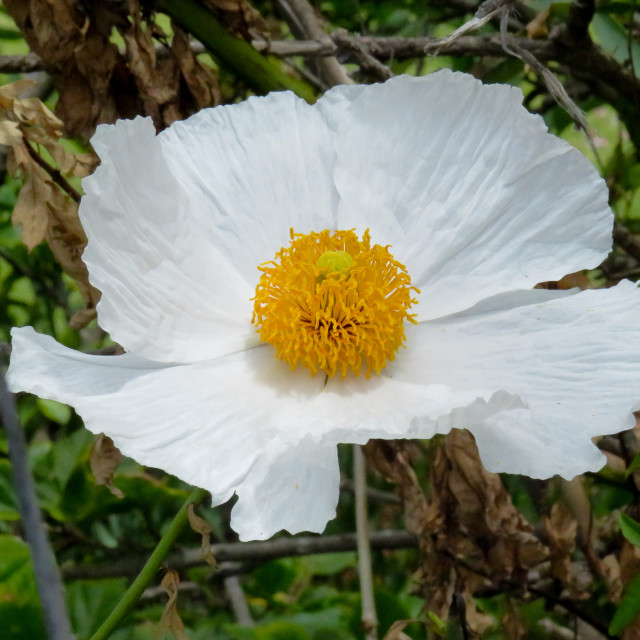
(628, 608)
(281, 631)
(630, 529)
(91, 601)
(55, 411)
(20, 611)
(328, 564)
(8, 502)
(614, 40)
(635, 463)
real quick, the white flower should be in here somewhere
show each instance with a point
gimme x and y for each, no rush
(469, 192)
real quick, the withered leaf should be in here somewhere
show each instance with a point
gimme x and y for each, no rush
(478, 503)
(537, 28)
(10, 133)
(199, 79)
(32, 210)
(105, 458)
(240, 18)
(13, 90)
(76, 50)
(396, 630)
(171, 620)
(34, 111)
(201, 526)
(562, 529)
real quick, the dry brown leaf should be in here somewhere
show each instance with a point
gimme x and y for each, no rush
(562, 529)
(240, 18)
(32, 210)
(537, 28)
(435, 577)
(199, 79)
(476, 503)
(396, 630)
(392, 459)
(578, 279)
(34, 111)
(513, 624)
(10, 133)
(201, 526)
(95, 81)
(104, 459)
(171, 620)
(74, 45)
(47, 206)
(610, 570)
(83, 317)
(13, 90)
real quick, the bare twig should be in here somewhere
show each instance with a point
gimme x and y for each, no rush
(251, 552)
(21, 64)
(369, 616)
(238, 600)
(54, 174)
(601, 72)
(356, 51)
(303, 21)
(486, 12)
(46, 570)
(372, 494)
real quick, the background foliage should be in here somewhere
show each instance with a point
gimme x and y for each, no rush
(527, 558)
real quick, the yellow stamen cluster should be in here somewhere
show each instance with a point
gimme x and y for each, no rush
(332, 302)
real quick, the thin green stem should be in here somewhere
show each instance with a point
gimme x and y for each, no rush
(150, 569)
(260, 73)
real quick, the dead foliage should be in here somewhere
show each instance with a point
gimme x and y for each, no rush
(470, 533)
(562, 529)
(99, 83)
(104, 460)
(579, 280)
(171, 620)
(47, 207)
(241, 18)
(201, 526)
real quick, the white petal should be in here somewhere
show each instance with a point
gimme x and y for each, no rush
(254, 171)
(242, 423)
(572, 359)
(167, 416)
(169, 294)
(472, 192)
(295, 489)
(213, 424)
(538, 444)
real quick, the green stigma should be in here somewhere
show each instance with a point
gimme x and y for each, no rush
(334, 261)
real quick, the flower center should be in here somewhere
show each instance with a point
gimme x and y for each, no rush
(332, 302)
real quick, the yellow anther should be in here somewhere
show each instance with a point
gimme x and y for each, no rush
(348, 321)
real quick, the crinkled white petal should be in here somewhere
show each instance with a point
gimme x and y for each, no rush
(168, 292)
(243, 422)
(472, 192)
(295, 489)
(175, 417)
(571, 358)
(254, 171)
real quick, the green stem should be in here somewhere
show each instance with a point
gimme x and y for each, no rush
(235, 54)
(150, 568)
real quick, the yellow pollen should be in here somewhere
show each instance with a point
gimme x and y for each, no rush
(333, 303)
